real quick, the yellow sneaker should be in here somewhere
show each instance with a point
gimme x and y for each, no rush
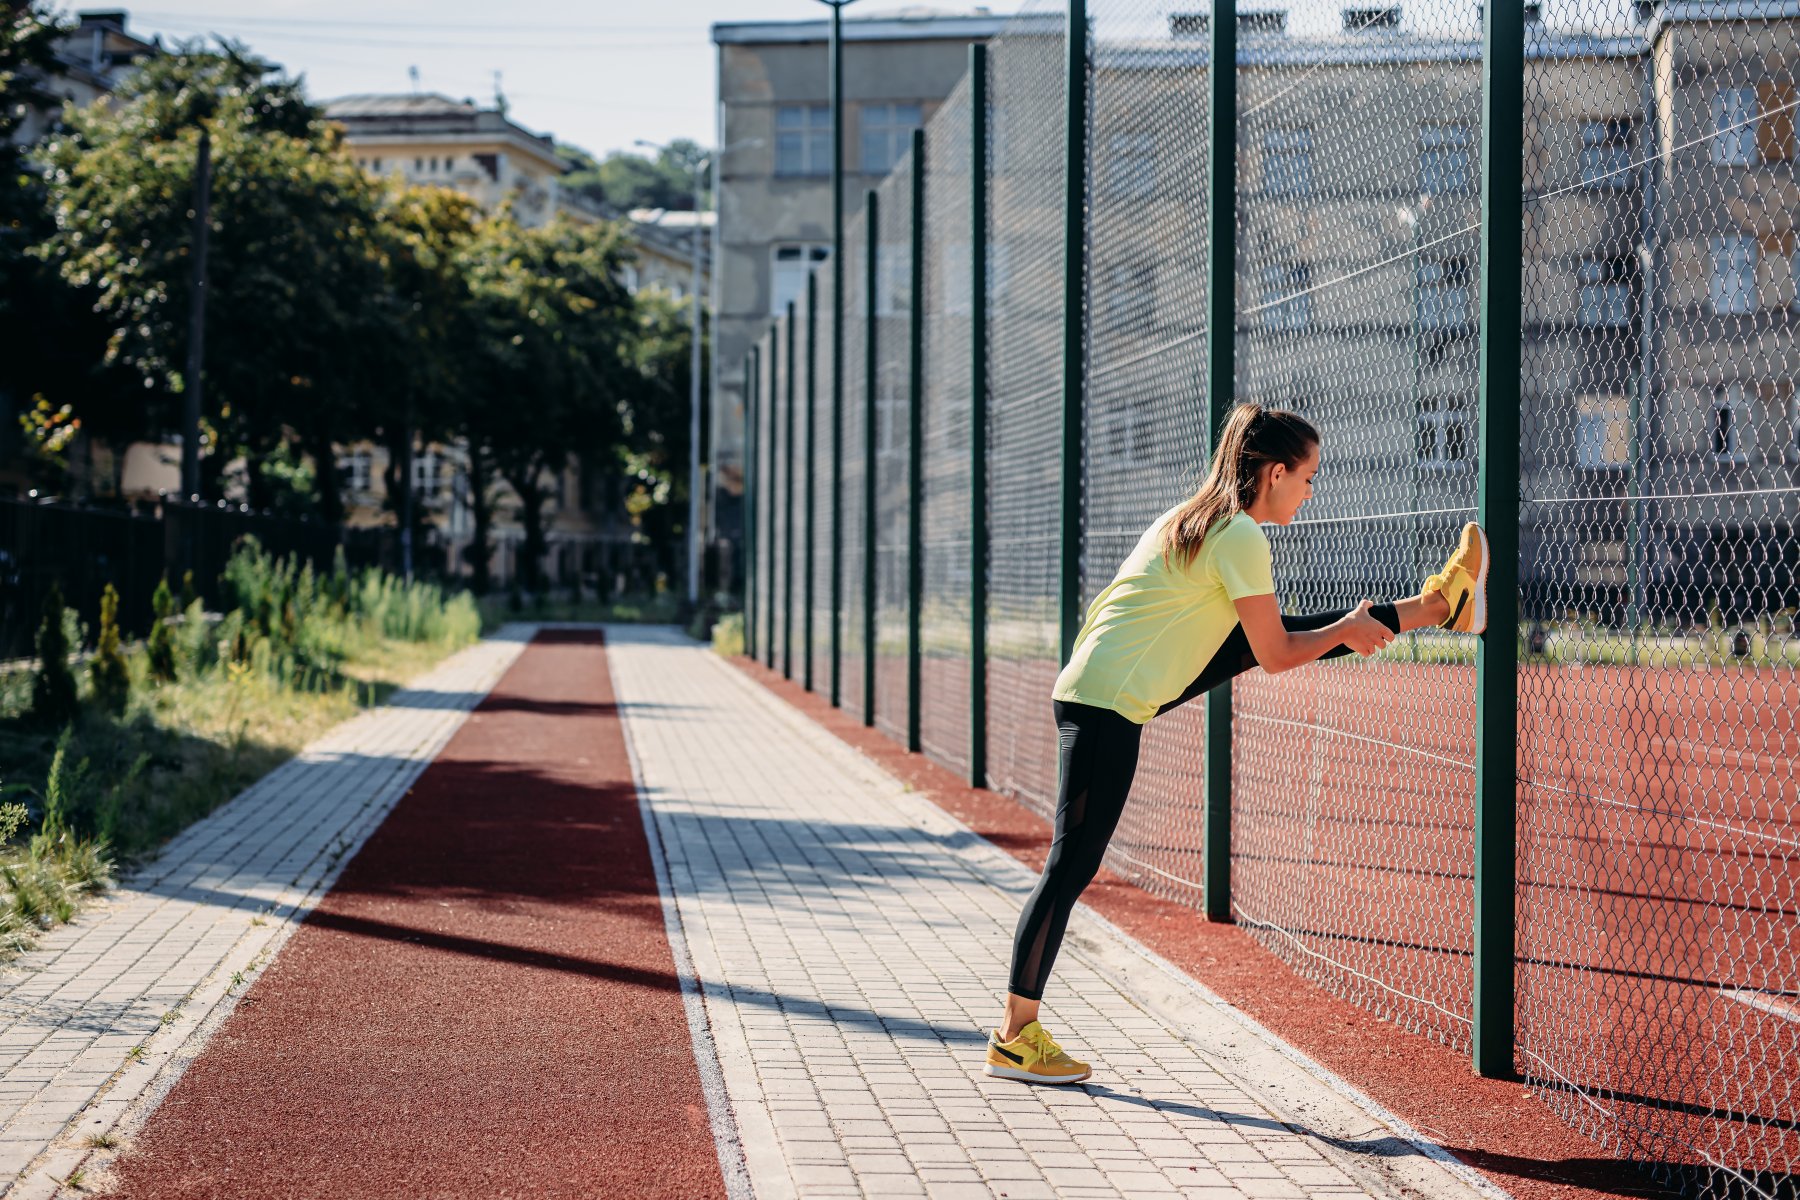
(1463, 582)
(1033, 1057)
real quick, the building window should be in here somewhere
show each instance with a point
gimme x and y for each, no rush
(1603, 433)
(1446, 159)
(1734, 126)
(632, 280)
(893, 279)
(1130, 300)
(354, 469)
(1287, 300)
(803, 139)
(427, 480)
(886, 134)
(1287, 162)
(1446, 434)
(418, 166)
(1131, 166)
(787, 280)
(1606, 155)
(1606, 293)
(448, 162)
(1733, 433)
(1445, 300)
(1734, 274)
(375, 163)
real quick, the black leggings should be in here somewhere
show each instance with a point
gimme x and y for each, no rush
(1097, 757)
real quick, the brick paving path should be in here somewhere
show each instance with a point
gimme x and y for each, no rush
(152, 965)
(851, 942)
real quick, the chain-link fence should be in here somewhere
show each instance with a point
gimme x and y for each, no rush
(1657, 855)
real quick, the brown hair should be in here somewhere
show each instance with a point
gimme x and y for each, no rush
(1253, 437)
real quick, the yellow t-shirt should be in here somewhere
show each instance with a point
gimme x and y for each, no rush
(1157, 625)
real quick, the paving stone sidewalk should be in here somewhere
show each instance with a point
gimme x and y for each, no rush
(851, 940)
(152, 965)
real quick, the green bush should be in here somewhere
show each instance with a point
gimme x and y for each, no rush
(110, 675)
(160, 647)
(53, 691)
(728, 634)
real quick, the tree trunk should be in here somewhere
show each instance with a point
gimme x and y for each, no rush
(329, 486)
(530, 491)
(480, 551)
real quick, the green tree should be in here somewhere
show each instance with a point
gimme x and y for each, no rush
(420, 368)
(292, 267)
(652, 454)
(555, 329)
(53, 690)
(627, 181)
(27, 37)
(111, 677)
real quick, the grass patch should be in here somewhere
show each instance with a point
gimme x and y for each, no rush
(293, 656)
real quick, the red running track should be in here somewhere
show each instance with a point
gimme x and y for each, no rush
(484, 1005)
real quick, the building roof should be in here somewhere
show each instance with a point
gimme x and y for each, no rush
(403, 104)
(911, 23)
(373, 117)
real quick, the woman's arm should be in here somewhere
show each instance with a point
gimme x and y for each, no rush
(1279, 649)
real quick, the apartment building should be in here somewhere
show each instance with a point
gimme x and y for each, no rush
(1661, 431)
(773, 180)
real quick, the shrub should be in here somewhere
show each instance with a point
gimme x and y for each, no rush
(53, 691)
(161, 646)
(728, 634)
(111, 677)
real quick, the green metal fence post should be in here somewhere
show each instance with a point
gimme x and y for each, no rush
(838, 301)
(787, 517)
(1074, 318)
(1221, 385)
(871, 344)
(773, 407)
(915, 447)
(978, 402)
(749, 506)
(812, 463)
(1496, 658)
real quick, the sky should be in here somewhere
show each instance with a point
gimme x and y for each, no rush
(602, 74)
(596, 75)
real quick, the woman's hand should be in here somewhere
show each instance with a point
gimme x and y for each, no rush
(1363, 633)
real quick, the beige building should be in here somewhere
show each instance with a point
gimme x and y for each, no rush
(1659, 282)
(774, 183)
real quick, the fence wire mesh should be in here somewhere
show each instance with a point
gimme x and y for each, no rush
(1145, 436)
(1658, 838)
(1357, 237)
(1025, 285)
(893, 406)
(1658, 853)
(945, 617)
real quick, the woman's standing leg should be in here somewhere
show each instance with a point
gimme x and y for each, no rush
(1098, 752)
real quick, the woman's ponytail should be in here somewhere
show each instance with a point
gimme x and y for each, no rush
(1252, 438)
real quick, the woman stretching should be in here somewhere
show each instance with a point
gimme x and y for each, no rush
(1195, 600)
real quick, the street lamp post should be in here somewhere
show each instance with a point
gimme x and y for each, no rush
(701, 166)
(837, 338)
